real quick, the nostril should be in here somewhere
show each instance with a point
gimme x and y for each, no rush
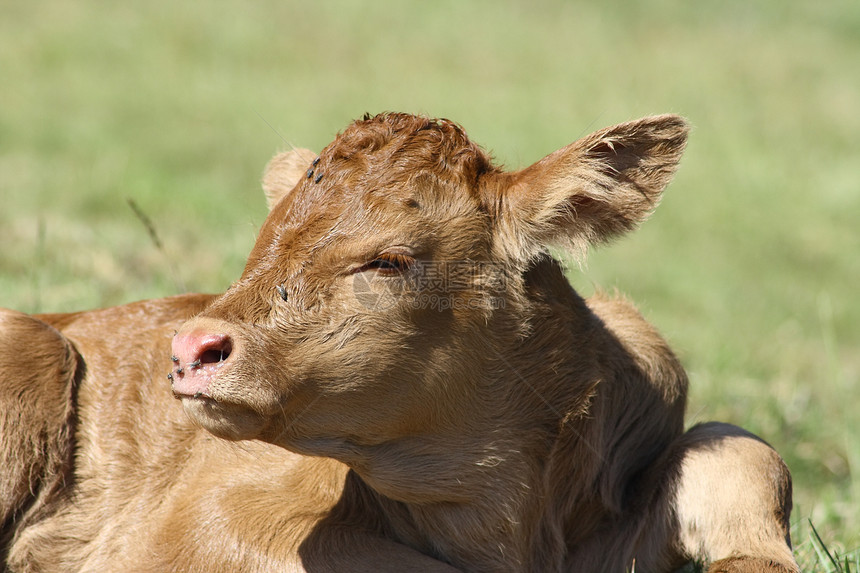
(197, 349)
(213, 348)
(216, 354)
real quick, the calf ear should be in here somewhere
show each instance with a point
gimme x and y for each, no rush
(283, 173)
(594, 189)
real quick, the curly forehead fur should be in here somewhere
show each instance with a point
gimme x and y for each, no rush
(405, 143)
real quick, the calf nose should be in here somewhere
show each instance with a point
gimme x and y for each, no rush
(197, 355)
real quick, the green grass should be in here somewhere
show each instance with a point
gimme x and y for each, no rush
(750, 267)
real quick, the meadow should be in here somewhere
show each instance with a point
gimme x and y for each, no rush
(750, 267)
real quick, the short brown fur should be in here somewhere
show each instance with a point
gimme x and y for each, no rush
(401, 379)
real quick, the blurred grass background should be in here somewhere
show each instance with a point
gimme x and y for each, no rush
(751, 266)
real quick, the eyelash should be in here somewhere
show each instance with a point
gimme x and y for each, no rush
(390, 263)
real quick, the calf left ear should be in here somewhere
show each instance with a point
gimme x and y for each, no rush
(283, 172)
(596, 188)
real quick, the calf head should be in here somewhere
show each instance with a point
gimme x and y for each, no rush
(387, 280)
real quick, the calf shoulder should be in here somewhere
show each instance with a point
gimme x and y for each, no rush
(114, 417)
(640, 404)
(39, 371)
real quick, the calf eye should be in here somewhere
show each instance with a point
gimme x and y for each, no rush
(390, 263)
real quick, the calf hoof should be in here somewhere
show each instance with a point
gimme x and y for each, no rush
(750, 565)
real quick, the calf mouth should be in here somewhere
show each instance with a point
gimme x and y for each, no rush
(223, 419)
(198, 395)
(195, 380)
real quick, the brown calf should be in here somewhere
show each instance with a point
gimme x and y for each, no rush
(401, 380)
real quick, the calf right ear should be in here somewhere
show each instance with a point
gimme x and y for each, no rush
(594, 189)
(283, 172)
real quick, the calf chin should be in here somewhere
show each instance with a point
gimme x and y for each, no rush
(226, 421)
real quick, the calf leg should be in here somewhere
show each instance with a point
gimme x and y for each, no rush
(732, 501)
(38, 370)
